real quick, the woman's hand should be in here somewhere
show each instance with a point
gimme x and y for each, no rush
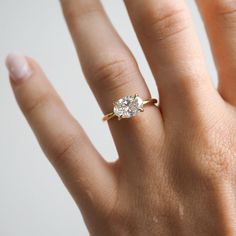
(176, 172)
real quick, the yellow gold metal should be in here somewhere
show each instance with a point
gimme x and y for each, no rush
(150, 101)
(108, 116)
(145, 102)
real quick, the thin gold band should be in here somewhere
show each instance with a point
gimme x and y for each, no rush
(145, 102)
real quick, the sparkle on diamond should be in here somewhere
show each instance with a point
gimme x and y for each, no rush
(128, 106)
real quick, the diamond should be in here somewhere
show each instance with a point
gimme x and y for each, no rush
(128, 106)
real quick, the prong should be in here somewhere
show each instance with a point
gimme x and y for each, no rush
(135, 95)
(141, 109)
(120, 117)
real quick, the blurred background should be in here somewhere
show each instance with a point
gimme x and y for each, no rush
(33, 201)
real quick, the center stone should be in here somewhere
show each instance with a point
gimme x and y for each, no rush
(128, 106)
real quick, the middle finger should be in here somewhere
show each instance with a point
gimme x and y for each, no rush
(168, 38)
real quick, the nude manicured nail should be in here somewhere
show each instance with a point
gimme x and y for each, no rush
(18, 67)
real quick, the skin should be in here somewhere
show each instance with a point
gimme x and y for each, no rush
(175, 174)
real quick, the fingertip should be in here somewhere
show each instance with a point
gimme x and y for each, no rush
(18, 67)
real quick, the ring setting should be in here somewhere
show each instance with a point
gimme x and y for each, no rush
(128, 106)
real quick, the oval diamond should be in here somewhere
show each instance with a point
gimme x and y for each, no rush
(128, 106)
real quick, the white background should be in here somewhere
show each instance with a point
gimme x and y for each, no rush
(33, 201)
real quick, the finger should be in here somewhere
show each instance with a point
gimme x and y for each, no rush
(168, 38)
(220, 21)
(110, 69)
(80, 166)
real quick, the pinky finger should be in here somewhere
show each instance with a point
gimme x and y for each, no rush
(82, 169)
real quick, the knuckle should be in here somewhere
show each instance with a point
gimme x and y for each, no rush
(166, 24)
(114, 74)
(225, 7)
(65, 147)
(36, 102)
(191, 75)
(225, 11)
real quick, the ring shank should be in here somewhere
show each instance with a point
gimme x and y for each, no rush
(150, 101)
(145, 102)
(108, 116)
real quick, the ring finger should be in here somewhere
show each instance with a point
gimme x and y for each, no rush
(110, 69)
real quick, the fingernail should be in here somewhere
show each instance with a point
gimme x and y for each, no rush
(18, 67)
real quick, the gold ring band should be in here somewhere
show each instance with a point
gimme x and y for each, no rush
(128, 107)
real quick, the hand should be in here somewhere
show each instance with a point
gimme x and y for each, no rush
(175, 174)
